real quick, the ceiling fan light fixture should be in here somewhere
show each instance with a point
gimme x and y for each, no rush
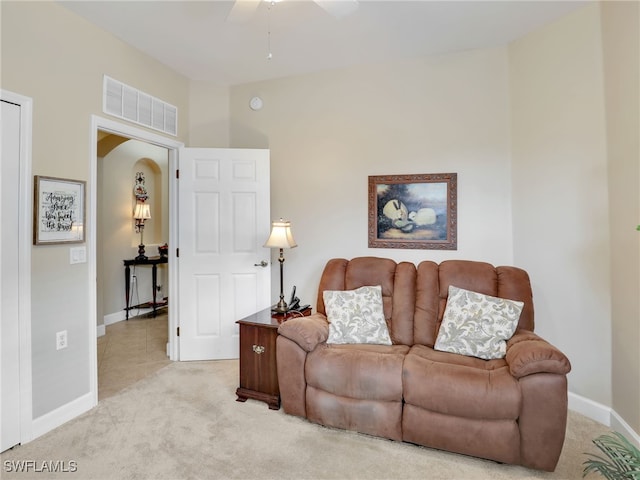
(338, 8)
(242, 10)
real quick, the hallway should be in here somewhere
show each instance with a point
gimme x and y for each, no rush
(130, 351)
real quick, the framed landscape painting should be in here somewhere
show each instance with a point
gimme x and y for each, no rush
(417, 211)
(58, 210)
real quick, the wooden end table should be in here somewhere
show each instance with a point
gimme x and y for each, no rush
(258, 370)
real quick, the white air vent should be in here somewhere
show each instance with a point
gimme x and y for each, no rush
(131, 104)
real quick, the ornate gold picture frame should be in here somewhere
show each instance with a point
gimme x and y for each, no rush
(417, 211)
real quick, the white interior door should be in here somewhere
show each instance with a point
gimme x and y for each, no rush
(223, 221)
(9, 274)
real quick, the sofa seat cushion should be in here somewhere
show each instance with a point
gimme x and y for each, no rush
(459, 385)
(368, 372)
(497, 440)
(373, 417)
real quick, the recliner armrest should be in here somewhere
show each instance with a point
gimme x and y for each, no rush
(527, 353)
(307, 332)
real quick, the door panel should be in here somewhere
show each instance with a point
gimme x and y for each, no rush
(207, 288)
(207, 206)
(224, 219)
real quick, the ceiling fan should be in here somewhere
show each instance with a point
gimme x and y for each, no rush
(242, 10)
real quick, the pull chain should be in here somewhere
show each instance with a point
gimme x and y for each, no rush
(269, 54)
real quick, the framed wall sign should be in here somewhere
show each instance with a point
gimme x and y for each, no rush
(58, 210)
(413, 211)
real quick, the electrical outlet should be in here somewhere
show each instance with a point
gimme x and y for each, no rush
(61, 340)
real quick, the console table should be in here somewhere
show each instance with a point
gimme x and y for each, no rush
(149, 261)
(258, 370)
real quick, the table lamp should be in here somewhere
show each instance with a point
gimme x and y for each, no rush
(281, 237)
(141, 213)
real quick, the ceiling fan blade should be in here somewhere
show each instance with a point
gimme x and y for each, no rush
(242, 10)
(338, 8)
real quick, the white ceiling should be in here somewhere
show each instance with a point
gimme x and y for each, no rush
(196, 39)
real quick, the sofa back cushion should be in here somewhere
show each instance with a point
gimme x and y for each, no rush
(427, 304)
(414, 299)
(504, 282)
(398, 282)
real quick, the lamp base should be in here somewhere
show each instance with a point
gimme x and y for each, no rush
(141, 255)
(280, 307)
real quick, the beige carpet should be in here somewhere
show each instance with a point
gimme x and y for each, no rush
(183, 423)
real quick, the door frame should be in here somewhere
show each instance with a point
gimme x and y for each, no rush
(124, 130)
(24, 261)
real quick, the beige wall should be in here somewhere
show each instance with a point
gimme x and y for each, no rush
(560, 211)
(58, 59)
(329, 131)
(208, 115)
(621, 46)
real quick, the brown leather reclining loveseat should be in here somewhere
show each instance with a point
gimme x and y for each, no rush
(511, 410)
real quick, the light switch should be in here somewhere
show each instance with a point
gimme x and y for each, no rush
(78, 255)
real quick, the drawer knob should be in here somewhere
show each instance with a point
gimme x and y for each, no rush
(258, 349)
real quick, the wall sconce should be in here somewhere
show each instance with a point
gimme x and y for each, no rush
(141, 213)
(281, 237)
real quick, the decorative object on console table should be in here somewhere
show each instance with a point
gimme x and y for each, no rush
(258, 372)
(281, 237)
(413, 211)
(141, 213)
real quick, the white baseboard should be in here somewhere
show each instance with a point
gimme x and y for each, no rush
(119, 317)
(603, 414)
(63, 414)
(619, 425)
(114, 317)
(593, 410)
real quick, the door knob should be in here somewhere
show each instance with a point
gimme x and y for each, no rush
(263, 263)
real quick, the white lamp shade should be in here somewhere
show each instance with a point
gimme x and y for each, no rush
(142, 211)
(281, 236)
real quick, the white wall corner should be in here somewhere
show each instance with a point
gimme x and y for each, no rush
(603, 414)
(101, 330)
(619, 425)
(593, 410)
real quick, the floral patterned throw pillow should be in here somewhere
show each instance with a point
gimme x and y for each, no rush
(477, 325)
(356, 316)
